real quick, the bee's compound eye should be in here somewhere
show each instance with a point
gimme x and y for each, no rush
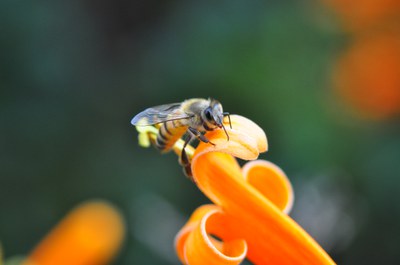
(208, 115)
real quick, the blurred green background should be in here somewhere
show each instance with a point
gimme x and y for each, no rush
(73, 74)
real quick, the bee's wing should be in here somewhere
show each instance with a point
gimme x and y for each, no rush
(159, 114)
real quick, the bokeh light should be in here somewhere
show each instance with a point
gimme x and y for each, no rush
(357, 15)
(367, 74)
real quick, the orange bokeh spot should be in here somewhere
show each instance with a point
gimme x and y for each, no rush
(90, 235)
(367, 75)
(361, 14)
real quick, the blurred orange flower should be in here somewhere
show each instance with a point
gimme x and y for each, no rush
(358, 15)
(249, 218)
(367, 75)
(90, 235)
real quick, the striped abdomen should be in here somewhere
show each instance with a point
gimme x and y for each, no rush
(168, 133)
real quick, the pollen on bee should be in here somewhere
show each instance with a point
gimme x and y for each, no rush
(144, 140)
(178, 147)
(146, 135)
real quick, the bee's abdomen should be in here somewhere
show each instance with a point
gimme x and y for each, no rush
(168, 134)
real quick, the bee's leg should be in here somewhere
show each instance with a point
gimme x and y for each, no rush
(187, 168)
(200, 136)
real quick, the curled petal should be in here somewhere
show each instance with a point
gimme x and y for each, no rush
(197, 243)
(271, 182)
(194, 220)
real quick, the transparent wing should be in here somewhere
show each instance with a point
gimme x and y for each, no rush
(159, 114)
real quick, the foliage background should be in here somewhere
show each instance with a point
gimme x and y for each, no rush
(73, 74)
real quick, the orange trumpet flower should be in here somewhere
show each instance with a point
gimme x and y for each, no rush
(90, 235)
(249, 218)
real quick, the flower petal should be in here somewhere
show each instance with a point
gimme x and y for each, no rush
(270, 181)
(194, 220)
(196, 243)
(246, 139)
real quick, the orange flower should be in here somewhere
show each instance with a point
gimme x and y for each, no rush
(90, 235)
(249, 218)
(367, 75)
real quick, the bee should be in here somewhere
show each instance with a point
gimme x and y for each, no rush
(192, 117)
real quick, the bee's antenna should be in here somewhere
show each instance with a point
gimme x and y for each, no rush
(223, 127)
(229, 117)
(227, 135)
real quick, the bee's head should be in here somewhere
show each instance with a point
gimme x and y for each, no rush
(215, 115)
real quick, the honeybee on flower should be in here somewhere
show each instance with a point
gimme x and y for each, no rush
(193, 117)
